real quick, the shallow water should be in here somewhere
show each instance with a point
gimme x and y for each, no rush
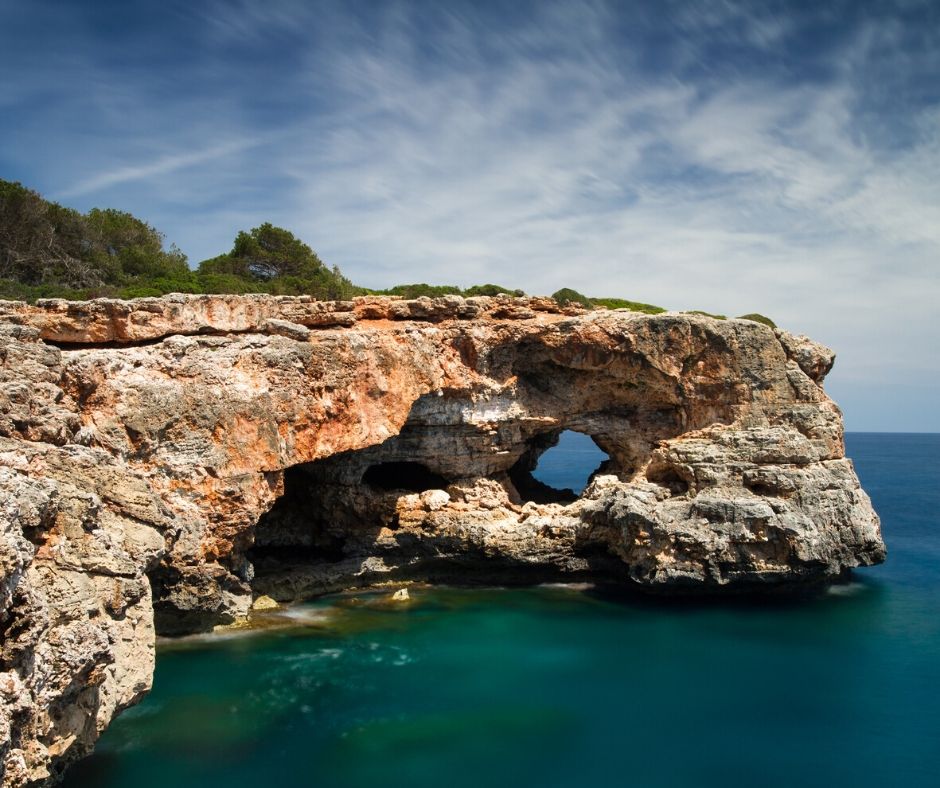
(559, 687)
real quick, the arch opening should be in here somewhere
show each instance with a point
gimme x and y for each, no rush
(558, 467)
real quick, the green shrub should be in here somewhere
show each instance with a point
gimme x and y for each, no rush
(758, 318)
(492, 290)
(422, 289)
(419, 290)
(11, 290)
(567, 296)
(635, 306)
(269, 259)
(140, 291)
(223, 283)
(706, 314)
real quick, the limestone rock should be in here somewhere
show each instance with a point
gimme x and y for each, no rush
(264, 602)
(108, 320)
(285, 328)
(79, 533)
(814, 359)
(164, 462)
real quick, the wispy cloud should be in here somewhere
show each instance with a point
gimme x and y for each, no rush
(161, 166)
(734, 157)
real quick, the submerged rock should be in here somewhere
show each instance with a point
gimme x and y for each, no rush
(164, 462)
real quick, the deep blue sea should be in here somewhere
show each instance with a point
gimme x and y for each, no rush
(559, 687)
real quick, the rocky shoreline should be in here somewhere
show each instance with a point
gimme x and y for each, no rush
(165, 461)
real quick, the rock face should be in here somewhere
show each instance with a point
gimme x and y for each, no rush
(165, 461)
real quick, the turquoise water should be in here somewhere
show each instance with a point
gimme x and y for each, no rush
(554, 687)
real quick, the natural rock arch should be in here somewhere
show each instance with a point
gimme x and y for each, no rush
(406, 508)
(145, 444)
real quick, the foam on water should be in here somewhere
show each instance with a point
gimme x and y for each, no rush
(306, 614)
(846, 589)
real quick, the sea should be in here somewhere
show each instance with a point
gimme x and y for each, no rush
(562, 686)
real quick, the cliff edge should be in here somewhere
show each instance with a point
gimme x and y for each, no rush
(164, 461)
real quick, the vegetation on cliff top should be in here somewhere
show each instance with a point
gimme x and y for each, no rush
(758, 318)
(434, 291)
(50, 251)
(567, 296)
(269, 259)
(47, 249)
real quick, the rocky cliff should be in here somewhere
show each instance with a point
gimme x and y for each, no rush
(164, 461)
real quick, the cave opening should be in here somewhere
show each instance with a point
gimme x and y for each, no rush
(410, 476)
(394, 509)
(557, 467)
(334, 515)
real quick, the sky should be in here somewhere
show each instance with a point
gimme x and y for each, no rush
(773, 157)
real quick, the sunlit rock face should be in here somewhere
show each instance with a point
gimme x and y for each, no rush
(224, 447)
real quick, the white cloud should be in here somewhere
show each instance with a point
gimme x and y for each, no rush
(545, 154)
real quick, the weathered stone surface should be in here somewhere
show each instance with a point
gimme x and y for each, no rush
(32, 404)
(80, 531)
(108, 320)
(219, 448)
(113, 321)
(285, 328)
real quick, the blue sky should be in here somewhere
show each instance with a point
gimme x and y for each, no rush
(778, 157)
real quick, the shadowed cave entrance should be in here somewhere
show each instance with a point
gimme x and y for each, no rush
(337, 512)
(340, 516)
(410, 476)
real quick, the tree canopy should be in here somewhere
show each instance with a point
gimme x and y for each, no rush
(51, 249)
(271, 259)
(48, 250)
(265, 253)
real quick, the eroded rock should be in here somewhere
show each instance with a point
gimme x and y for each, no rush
(163, 462)
(80, 531)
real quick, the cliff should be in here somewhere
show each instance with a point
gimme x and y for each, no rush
(163, 461)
